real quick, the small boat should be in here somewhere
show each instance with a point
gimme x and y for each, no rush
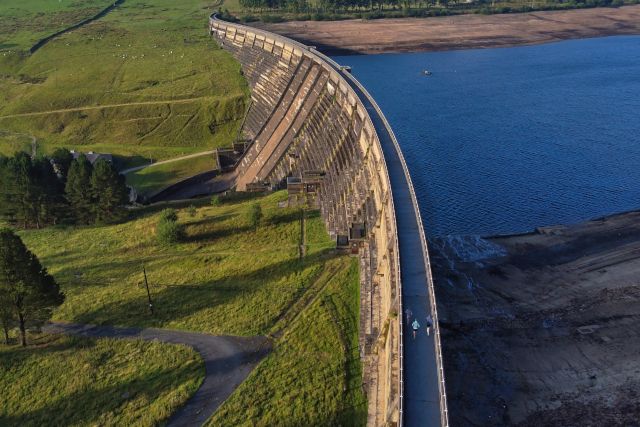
(426, 72)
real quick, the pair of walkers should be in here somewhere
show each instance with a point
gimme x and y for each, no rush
(415, 325)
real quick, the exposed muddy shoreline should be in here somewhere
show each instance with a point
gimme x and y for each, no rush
(543, 328)
(459, 32)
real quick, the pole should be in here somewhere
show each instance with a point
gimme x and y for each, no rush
(146, 284)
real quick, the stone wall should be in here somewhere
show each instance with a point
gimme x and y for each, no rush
(304, 117)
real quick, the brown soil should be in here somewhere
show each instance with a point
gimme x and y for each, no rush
(459, 32)
(546, 333)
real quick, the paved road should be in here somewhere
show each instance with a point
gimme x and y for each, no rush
(421, 392)
(228, 361)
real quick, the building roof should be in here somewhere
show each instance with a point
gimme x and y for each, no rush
(93, 157)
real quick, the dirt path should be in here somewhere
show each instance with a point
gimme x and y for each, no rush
(459, 32)
(100, 107)
(150, 165)
(228, 361)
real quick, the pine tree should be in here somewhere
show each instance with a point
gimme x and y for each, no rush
(47, 192)
(5, 317)
(30, 192)
(24, 197)
(109, 193)
(78, 190)
(26, 289)
(7, 190)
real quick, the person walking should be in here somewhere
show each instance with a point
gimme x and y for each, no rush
(415, 326)
(429, 323)
(409, 314)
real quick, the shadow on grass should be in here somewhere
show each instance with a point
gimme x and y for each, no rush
(10, 358)
(149, 180)
(126, 162)
(148, 210)
(173, 303)
(87, 406)
(279, 218)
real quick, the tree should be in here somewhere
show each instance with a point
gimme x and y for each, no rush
(78, 189)
(62, 159)
(47, 191)
(5, 316)
(168, 230)
(255, 215)
(108, 191)
(30, 193)
(26, 288)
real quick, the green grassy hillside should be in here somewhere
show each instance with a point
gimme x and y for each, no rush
(150, 180)
(86, 382)
(228, 277)
(144, 81)
(313, 377)
(23, 22)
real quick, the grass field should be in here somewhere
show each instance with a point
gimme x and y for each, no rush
(229, 278)
(23, 23)
(313, 377)
(226, 278)
(85, 382)
(149, 181)
(144, 80)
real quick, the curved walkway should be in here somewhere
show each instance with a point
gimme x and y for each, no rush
(228, 361)
(421, 405)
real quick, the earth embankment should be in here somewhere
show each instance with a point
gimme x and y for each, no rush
(459, 32)
(543, 328)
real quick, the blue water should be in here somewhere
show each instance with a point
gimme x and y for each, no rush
(505, 140)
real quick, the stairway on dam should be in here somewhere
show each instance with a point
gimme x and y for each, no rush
(308, 117)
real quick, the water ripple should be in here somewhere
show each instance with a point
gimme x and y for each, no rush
(505, 140)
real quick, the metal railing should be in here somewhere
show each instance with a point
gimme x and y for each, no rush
(342, 74)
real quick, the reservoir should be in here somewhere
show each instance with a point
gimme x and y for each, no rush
(505, 140)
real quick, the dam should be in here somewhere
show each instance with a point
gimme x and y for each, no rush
(312, 123)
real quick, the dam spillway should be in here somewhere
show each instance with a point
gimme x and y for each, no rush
(310, 116)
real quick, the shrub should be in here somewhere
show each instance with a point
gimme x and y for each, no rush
(255, 215)
(192, 211)
(168, 214)
(215, 201)
(168, 230)
(272, 19)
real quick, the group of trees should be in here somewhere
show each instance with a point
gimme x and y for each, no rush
(372, 8)
(28, 293)
(44, 191)
(338, 5)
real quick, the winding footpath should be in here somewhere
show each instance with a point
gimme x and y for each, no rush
(228, 361)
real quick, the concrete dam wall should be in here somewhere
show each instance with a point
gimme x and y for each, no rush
(311, 123)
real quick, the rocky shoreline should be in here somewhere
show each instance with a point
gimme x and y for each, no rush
(459, 32)
(543, 328)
